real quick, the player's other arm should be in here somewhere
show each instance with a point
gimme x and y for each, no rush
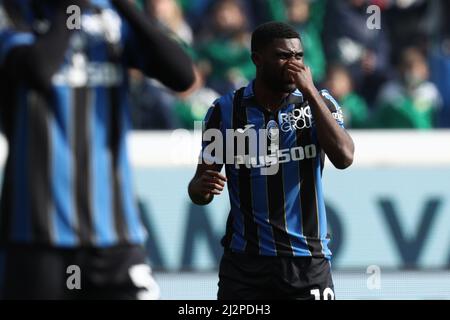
(335, 141)
(206, 183)
(162, 58)
(207, 180)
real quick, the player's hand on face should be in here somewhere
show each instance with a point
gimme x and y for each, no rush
(211, 183)
(299, 73)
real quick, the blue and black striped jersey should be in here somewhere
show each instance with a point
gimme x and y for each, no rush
(280, 214)
(67, 180)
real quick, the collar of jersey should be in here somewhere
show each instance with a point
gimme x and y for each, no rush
(249, 100)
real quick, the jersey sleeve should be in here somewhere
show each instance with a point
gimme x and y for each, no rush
(132, 52)
(213, 120)
(333, 106)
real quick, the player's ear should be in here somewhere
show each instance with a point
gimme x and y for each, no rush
(256, 58)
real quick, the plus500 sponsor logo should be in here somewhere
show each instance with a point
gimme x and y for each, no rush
(279, 156)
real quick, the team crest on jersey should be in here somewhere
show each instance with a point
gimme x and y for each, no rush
(272, 130)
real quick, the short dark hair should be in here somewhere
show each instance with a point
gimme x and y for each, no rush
(266, 32)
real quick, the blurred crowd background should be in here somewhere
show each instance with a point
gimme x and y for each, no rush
(397, 76)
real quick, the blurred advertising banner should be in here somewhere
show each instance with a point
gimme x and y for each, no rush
(390, 209)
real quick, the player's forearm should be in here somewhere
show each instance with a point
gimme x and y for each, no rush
(165, 60)
(335, 141)
(197, 196)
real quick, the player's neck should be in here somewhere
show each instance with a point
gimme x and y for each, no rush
(266, 96)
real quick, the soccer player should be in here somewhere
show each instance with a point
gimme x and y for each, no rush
(276, 241)
(69, 225)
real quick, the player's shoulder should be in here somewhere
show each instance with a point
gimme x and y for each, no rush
(225, 102)
(330, 101)
(333, 106)
(222, 108)
(216, 109)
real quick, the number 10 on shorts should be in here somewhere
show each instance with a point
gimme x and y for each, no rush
(328, 294)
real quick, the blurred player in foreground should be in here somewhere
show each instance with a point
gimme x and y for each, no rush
(69, 224)
(276, 241)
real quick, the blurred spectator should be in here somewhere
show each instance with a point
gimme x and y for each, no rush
(339, 83)
(192, 105)
(267, 10)
(410, 23)
(411, 101)
(169, 13)
(197, 11)
(334, 33)
(298, 14)
(440, 63)
(440, 70)
(348, 41)
(224, 53)
(153, 104)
